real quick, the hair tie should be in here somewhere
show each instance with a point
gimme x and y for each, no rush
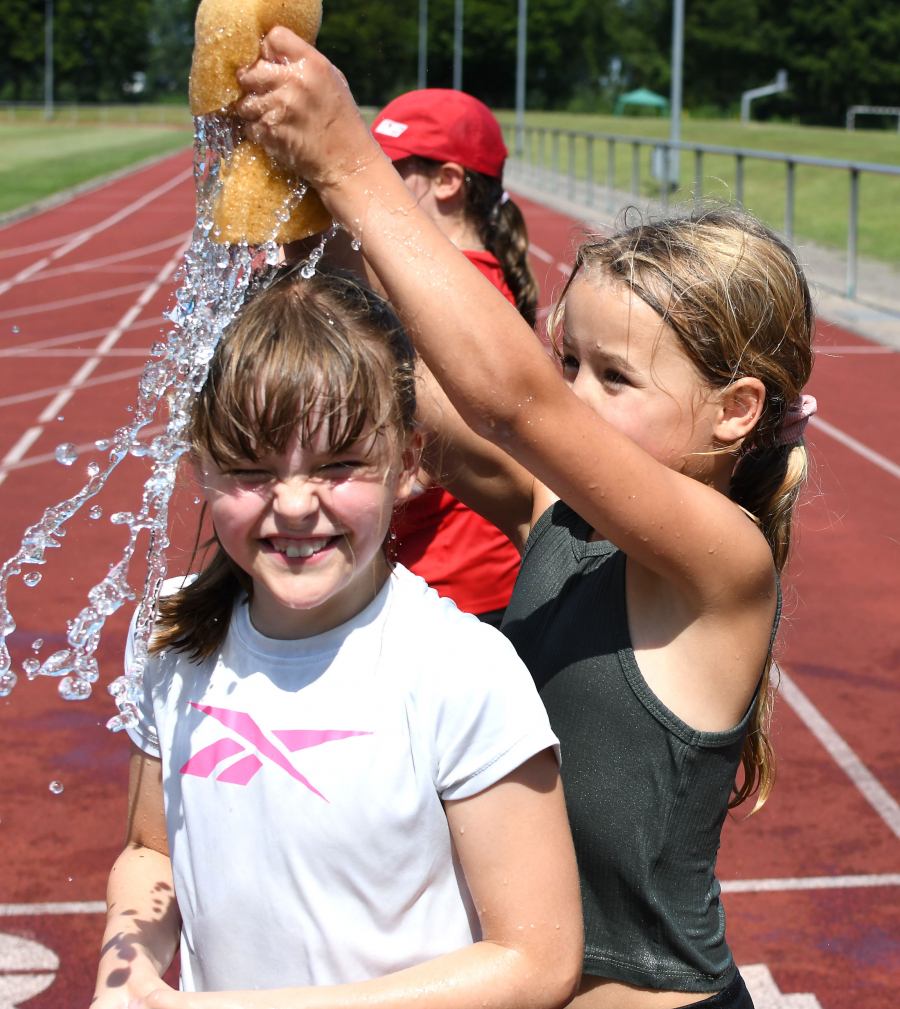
(504, 197)
(796, 419)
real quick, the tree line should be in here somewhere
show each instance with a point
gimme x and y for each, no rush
(581, 53)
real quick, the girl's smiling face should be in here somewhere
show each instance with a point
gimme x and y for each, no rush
(308, 527)
(624, 362)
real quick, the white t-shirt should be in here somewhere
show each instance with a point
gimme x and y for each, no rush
(303, 784)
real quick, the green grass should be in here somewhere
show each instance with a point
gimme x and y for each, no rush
(821, 194)
(41, 159)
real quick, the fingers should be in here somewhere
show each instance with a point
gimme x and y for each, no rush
(281, 45)
(263, 76)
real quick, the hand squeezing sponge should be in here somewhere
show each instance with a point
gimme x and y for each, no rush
(255, 190)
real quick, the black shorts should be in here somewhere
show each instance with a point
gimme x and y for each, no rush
(735, 996)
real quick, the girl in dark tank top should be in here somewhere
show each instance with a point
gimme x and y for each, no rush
(647, 602)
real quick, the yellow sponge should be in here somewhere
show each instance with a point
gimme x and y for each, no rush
(227, 36)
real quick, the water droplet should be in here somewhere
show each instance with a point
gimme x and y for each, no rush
(66, 453)
(121, 518)
(130, 409)
(158, 349)
(196, 500)
(102, 444)
(37, 644)
(95, 512)
(60, 417)
(15, 329)
(93, 469)
(74, 688)
(31, 666)
(7, 682)
(32, 578)
(56, 787)
(356, 245)
(70, 879)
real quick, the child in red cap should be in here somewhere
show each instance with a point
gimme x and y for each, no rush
(449, 149)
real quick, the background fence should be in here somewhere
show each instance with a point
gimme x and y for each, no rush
(605, 170)
(131, 113)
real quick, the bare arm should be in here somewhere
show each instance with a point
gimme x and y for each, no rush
(471, 468)
(515, 848)
(142, 924)
(484, 355)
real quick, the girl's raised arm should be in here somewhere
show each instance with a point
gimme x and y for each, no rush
(484, 355)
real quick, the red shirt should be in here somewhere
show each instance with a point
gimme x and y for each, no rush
(460, 554)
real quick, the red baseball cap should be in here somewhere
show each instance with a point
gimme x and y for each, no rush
(444, 125)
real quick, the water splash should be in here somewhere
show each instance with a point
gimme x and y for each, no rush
(214, 282)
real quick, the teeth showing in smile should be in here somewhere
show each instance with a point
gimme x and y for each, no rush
(304, 549)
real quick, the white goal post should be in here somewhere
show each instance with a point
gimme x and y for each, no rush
(871, 110)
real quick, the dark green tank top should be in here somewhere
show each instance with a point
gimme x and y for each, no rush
(646, 794)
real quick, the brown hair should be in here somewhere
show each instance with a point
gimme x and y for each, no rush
(325, 353)
(501, 227)
(737, 300)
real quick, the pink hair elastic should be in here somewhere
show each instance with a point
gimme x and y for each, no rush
(796, 419)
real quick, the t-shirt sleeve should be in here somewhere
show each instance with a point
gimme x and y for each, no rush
(144, 735)
(486, 718)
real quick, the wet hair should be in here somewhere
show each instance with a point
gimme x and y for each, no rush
(323, 355)
(739, 305)
(501, 227)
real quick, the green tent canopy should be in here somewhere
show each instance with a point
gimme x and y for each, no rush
(642, 97)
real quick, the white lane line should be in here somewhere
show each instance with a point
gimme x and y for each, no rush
(88, 233)
(54, 907)
(90, 334)
(878, 797)
(24, 443)
(55, 390)
(856, 446)
(88, 446)
(115, 352)
(82, 299)
(829, 351)
(121, 257)
(79, 379)
(808, 883)
(113, 337)
(49, 243)
(541, 254)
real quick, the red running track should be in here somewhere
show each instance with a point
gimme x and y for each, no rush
(840, 641)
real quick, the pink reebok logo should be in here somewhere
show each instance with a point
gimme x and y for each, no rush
(204, 762)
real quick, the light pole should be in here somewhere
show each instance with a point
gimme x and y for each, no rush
(48, 59)
(457, 44)
(675, 88)
(423, 44)
(520, 77)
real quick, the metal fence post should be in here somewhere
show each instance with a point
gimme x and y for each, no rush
(635, 170)
(789, 203)
(664, 178)
(610, 175)
(542, 156)
(698, 179)
(852, 229)
(554, 144)
(739, 179)
(589, 171)
(571, 166)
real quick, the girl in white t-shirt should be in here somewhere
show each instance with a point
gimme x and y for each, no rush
(341, 786)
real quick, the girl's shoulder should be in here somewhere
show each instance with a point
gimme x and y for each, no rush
(426, 615)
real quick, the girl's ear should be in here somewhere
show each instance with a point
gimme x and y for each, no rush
(409, 463)
(740, 409)
(449, 182)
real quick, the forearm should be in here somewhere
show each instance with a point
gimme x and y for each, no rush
(485, 975)
(142, 925)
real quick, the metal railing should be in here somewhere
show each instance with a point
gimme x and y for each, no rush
(535, 168)
(94, 113)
